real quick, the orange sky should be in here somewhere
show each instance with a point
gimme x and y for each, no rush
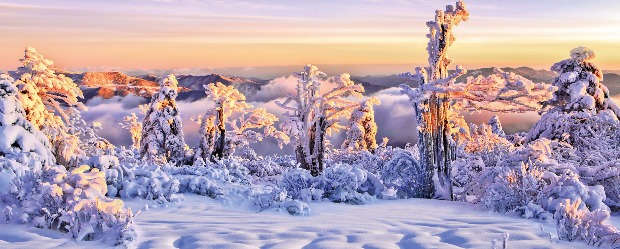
(235, 33)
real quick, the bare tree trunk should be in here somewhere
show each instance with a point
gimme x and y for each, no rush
(301, 156)
(221, 142)
(319, 147)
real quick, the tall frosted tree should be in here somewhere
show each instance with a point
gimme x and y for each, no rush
(362, 131)
(49, 100)
(162, 129)
(438, 100)
(311, 114)
(216, 140)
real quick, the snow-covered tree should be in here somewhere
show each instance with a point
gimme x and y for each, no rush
(496, 126)
(582, 115)
(134, 127)
(88, 137)
(50, 99)
(162, 133)
(312, 115)
(59, 94)
(216, 141)
(438, 99)
(21, 140)
(362, 131)
(579, 86)
(207, 132)
(227, 100)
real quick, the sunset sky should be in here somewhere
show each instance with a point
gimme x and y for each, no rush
(242, 33)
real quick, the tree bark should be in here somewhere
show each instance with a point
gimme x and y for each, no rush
(319, 147)
(221, 142)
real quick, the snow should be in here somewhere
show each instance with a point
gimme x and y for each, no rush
(201, 222)
(556, 185)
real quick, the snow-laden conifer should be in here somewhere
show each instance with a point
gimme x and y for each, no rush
(49, 99)
(579, 86)
(362, 129)
(162, 129)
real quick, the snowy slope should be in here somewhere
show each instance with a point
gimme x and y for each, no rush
(201, 222)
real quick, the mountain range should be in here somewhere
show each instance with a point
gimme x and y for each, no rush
(110, 84)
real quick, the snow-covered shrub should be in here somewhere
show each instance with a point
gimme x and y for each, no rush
(591, 141)
(296, 207)
(148, 181)
(267, 197)
(199, 185)
(486, 142)
(233, 171)
(287, 162)
(404, 174)
(479, 154)
(263, 167)
(516, 188)
(531, 176)
(128, 180)
(75, 202)
(575, 223)
(471, 177)
(344, 183)
(361, 158)
(295, 182)
(8, 213)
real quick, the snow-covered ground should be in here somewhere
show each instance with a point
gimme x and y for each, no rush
(414, 223)
(201, 222)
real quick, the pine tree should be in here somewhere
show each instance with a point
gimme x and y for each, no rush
(49, 100)
(21, 140)
(579, 86)
(362, 131)
(162, 129)
(38, 76)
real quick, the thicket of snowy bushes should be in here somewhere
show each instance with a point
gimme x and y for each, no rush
(33, 189)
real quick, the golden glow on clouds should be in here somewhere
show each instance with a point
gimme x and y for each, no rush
(217, 33)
